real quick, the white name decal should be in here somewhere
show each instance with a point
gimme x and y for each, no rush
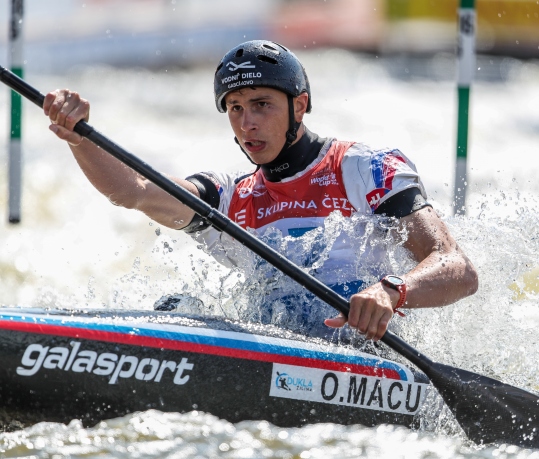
(116, 366)
(241, 83)
(336, 203)
(328, 203)
(235, 77)
(347, 389)
(251, 75)
(280, 206)
(230, 78)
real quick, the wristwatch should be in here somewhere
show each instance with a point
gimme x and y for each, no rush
(398, 284)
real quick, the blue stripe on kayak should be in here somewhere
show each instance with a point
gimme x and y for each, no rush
(230, 343)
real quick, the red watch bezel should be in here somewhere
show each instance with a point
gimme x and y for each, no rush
(401, 288)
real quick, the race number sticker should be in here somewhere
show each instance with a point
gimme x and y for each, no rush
(348, 389)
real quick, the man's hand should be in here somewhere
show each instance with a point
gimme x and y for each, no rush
(370, 311)
(119, 183)
(66, 108)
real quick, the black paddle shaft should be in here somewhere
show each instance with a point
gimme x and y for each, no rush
(488, 410)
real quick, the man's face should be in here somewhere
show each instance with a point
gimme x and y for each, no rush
(259, 119)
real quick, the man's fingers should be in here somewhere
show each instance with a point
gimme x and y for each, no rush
(54, 102)
(370, 313)
(66, 108)
(378, 326)
(76, 110)
(49, 99)
(336, 322)
(372, 324)
(360, 316)
(65, 134)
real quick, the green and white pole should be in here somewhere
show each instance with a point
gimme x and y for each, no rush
(15, 154)
(466, 71)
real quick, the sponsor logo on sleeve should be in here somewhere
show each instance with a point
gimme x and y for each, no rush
(374, 197)
(347, 389)
(107, 364)
(384, 165)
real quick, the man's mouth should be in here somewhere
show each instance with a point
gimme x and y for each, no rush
(254, 146)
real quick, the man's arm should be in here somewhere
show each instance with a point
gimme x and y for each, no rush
(443, 275)
(119, 183)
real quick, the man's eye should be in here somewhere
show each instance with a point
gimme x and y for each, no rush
(262, 104)
(236, 108)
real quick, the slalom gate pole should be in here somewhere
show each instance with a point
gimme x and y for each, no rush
(15, 151)
(466, 70)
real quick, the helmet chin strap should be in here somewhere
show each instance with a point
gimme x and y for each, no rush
(291, 134)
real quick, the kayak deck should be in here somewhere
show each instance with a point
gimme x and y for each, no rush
(58, 365)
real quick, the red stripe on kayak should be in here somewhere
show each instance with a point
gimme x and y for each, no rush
(137, 340)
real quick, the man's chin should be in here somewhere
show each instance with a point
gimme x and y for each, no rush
(258, 159)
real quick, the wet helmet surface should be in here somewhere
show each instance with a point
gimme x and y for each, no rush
(260, 63)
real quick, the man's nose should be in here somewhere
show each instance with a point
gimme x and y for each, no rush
(247, 121)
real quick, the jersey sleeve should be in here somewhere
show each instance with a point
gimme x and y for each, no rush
(219, 245)
(214, 189)
(371, 177)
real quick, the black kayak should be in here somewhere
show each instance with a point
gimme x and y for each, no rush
(59, 365)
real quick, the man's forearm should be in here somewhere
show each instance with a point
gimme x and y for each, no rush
(125, 187)
(107, 174)
(444, 273)
(440, 279)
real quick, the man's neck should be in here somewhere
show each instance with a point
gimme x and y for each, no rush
(295, 158)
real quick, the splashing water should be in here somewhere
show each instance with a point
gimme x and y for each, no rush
(153, 434)
(262, 293)
(95, 255)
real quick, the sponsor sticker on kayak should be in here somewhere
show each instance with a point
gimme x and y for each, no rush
(348, 389)
(114, 366)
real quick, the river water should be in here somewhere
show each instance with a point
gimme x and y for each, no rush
(74, 249)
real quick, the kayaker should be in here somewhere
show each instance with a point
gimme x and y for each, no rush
(298, 181)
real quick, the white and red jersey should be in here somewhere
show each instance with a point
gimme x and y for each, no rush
(346, 177)
(296, 205)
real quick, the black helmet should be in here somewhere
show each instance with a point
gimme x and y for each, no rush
(260, 63)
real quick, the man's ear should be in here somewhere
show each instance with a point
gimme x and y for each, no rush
(300, 106)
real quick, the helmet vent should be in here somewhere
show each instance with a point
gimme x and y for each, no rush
(268, 59)
(271, 48)
(281, 46)
(239, 52)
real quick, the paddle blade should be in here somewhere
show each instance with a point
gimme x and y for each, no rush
(488, 410)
